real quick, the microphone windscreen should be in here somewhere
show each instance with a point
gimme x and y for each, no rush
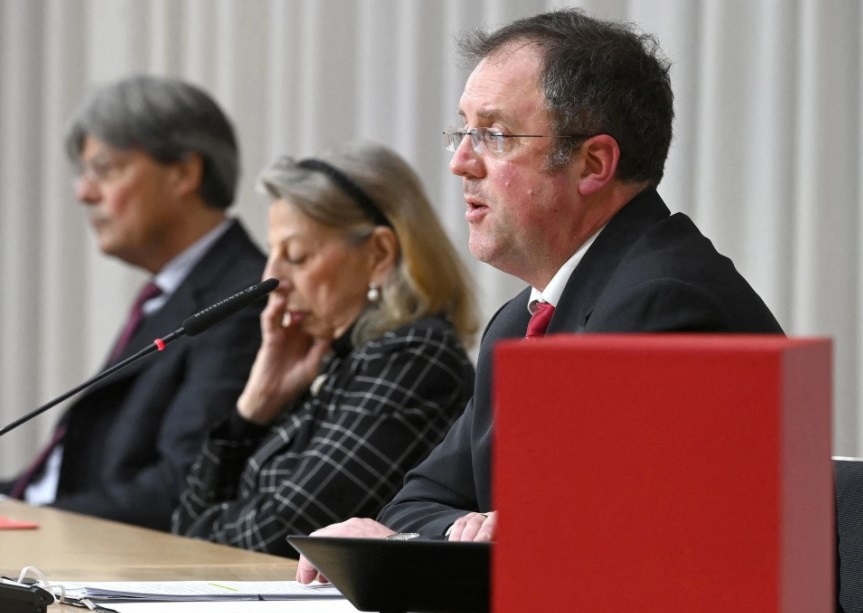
(200, 321)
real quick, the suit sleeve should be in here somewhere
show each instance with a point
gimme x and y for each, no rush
(215, 369)
(456, 477)
(442, 488)
(340, 456)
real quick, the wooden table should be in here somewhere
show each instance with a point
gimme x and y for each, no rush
(72, 547)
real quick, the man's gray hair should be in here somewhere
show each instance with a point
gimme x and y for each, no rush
(167, 119)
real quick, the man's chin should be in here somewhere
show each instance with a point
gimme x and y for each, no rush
(107, 247)
(112, 249)
(480, 249)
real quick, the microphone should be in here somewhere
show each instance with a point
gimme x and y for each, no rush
(202, 320)
(192, 326)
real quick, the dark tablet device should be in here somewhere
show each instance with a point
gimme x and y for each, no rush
(397, 576)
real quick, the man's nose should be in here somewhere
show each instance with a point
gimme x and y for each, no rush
(87, 191)
(465, 161)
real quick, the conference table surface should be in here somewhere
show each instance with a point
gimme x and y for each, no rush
(73, 547)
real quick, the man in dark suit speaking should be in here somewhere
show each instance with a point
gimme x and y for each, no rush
(158, 165)
(563, 129)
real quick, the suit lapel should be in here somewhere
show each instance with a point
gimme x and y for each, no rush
(185, 301)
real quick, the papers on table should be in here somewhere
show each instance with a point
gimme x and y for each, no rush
(179, 591)
(323, 605)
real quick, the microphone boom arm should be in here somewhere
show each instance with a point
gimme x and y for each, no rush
(156, 345)
(192, 325)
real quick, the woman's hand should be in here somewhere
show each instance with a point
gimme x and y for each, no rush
(287, 363)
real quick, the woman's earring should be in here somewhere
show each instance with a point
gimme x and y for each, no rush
(374, 294)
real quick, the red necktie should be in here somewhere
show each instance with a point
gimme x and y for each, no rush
(538, 324)
(136, 316)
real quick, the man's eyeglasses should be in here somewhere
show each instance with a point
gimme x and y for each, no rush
(491, 139)
(100, 169)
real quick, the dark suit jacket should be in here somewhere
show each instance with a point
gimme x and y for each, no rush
(647, 271)
(849, 535)
(132, 438)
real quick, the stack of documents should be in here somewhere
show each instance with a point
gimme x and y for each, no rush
(191, 591)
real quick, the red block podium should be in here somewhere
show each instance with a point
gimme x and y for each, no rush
(663, 474)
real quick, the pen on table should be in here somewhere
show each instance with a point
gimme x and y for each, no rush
(224, 587)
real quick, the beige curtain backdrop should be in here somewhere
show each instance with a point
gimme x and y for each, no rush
(766, 155)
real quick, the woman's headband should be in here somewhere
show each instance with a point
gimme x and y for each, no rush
(349, 186)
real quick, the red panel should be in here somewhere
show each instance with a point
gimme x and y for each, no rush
(663, 474)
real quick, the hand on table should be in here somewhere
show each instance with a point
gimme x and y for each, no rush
(474, 527)
(356, 527)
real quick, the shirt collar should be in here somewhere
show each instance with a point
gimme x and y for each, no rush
(175, 272)
(554, 289)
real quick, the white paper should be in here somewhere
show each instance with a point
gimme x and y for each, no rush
(327, 605)
(199, 590)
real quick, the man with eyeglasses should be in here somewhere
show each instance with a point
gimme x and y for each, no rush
(564, 127)
(158, 165)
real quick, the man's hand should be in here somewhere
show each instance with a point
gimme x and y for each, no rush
(474, 527)
(356, 527)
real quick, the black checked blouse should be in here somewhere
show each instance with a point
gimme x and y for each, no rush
(340, 452)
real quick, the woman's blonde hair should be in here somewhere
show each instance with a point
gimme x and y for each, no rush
(429, 278)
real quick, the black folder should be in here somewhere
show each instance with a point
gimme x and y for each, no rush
(394, 576)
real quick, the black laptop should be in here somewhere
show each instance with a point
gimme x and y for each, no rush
(397, 576)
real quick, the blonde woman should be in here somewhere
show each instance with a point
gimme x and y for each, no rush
(362, 368)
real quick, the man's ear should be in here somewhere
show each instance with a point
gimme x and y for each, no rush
(188, 173)
(600, 156)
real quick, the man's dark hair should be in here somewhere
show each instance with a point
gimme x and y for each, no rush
(598, 77)
(167, 119)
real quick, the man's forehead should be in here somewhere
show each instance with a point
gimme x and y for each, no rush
(508, 66)
(486, 113)
(504, 82)
(94, 146)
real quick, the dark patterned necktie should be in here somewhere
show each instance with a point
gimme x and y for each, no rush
(538, 324)
(136, 316)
